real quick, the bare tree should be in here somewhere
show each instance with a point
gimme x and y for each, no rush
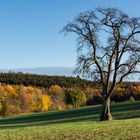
(108, 49)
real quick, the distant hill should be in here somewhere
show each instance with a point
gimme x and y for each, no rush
(57, 71)
(42, 80)
(52, 71)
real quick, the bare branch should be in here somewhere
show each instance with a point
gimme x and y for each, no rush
(112, 59)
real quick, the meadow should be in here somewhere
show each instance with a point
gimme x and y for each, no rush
(74, 124)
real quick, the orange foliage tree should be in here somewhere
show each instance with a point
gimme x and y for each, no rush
(17, 99)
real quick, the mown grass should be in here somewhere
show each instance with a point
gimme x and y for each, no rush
(75, 124)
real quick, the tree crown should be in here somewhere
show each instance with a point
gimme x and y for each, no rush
(108, 44)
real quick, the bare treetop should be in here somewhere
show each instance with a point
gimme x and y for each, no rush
(108, 43)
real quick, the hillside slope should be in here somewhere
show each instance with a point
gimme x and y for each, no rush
(74, 124)
(124, 110)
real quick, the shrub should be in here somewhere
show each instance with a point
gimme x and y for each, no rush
(75, 97)
(132, 99)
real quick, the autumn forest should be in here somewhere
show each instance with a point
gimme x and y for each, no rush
(22, 93)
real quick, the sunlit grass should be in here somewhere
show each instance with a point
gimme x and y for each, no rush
(74, 124)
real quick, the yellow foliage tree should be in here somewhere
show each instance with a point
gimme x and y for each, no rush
(10, 91)
(46, 102)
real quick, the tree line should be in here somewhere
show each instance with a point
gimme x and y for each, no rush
(42, 80)
(15, 99)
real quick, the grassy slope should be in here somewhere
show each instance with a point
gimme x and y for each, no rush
(74, 124)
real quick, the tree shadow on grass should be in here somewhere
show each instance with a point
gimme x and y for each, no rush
(42, 123)
(53, 117)
(69, 116)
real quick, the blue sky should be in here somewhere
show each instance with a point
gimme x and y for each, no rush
(29, 30)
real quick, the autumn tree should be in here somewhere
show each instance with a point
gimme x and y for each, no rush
(55, 89)
(108, 49)
(57, 96)
(75, 97)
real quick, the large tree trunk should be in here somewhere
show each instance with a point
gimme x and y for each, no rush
(105, 114)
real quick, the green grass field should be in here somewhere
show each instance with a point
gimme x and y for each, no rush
(75, 124)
